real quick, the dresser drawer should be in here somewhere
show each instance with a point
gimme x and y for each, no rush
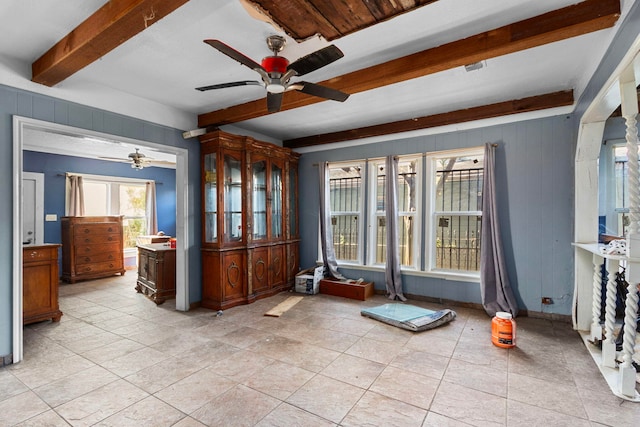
(98, 267)
(88, 239)
(97, 228)
(98, 255)
(39, 254)
(97, 249)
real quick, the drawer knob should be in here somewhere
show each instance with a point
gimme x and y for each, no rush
(33, 254)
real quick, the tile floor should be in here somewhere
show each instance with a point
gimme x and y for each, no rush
(116, 359)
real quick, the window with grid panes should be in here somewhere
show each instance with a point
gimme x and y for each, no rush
(345, 203)
(457, 210)
(408, 206)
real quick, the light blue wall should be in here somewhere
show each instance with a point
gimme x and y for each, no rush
(534, 176)
(26, 104)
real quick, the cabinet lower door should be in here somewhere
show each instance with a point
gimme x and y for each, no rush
(233, 276)
(224, 281)
(293, 262)
(259, 270)
(277, 263)
(38, 292)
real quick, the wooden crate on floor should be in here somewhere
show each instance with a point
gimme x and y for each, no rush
(360, 291)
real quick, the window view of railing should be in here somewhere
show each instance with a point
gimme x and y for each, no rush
(458, 214)
(406, 184)
(345, 200)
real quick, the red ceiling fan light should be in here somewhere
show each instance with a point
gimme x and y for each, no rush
(275, 64)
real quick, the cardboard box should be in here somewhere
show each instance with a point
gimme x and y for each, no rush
(348, 289)
(308, 281)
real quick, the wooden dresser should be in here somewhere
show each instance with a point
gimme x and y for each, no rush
(92, 247)
(40, 283)
(156, 272)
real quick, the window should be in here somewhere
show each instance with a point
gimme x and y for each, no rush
(456, 211)
(448, 209)
(408, 216)
(115, 196)
(345, 203)
(622, 192)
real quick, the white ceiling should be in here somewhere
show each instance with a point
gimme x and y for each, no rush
(153, 75)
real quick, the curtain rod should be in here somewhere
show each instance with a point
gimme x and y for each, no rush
(71, 174)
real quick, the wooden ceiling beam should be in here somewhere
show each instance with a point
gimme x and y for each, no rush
(571, 21)
(533, 103)
(110, 26)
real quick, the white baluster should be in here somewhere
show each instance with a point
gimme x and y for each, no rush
(596, 306)
(627, 378)
(609, 344)
(631, 136)
(629, 106)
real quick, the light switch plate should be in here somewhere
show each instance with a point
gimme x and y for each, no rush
(51, 217)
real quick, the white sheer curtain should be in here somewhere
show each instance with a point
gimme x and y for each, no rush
(326, 234)
(496, 291)
(393, 277)
(75, 206)
(151, 212)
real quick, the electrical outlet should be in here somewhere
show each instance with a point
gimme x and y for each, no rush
(547, 300)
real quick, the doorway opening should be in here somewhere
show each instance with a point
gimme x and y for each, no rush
(21, 125)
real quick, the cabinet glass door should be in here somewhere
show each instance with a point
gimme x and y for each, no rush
(293, 199)
(210, 199)
(232, 199)
(276, 201)
(259, 200)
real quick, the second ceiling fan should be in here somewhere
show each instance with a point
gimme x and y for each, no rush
(276, 72)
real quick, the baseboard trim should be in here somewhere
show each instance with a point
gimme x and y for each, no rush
(565, 318)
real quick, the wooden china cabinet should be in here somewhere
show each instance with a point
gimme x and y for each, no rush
(250, 237)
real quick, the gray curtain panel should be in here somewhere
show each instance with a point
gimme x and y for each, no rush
(151, 211)
(326, 234)
(76, 196)
(393, 277)
(497, 294)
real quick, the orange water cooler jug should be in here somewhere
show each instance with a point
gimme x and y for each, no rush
(503, 330)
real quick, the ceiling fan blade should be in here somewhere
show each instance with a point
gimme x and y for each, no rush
(114, 159)
(315, 60)
(234, 54)
(159, 163)
(320, 91)
(231, 84)
(274, 102)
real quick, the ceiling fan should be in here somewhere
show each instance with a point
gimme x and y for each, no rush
(137, 159)
(276, 72)
(140, 161)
